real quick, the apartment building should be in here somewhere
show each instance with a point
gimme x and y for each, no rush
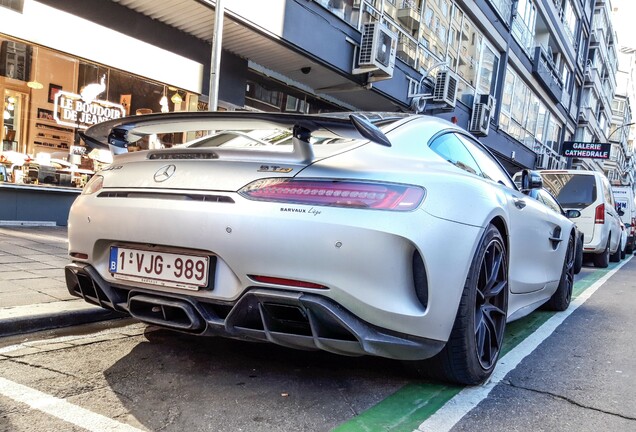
(620, 167)
(522, 75)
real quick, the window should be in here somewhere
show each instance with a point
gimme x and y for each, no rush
(469, 51)
(533, 114)
(570, 20)
(436, 24)
(453, 151)
(347, 10)
(509, 85)
(488, 68)
(488, 165)
(524, 23)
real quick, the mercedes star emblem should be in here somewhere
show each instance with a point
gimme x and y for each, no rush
(164, 173)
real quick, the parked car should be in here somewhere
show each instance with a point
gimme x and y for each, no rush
(392, 235)
(624, 237)
(591, 194)
(624, 198)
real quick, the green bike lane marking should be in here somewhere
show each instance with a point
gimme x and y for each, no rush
(411, 405)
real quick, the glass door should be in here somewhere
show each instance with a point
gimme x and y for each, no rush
(13, 132)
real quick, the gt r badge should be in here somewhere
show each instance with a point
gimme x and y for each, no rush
(274, 168)
(164, 173)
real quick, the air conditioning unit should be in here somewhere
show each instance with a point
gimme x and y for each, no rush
(377, 51)
(445, 89)
(480, 118)
(486, 99)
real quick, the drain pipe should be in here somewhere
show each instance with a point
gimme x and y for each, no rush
(215, 60)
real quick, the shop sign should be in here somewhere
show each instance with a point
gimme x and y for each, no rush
(71, 110)
(577, 149)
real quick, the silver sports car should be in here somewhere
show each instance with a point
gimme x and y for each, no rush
(390, 235)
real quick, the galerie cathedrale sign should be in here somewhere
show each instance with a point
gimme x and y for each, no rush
(577, 149)
(71, 110)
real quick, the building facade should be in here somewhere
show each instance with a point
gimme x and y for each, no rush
(522, 75)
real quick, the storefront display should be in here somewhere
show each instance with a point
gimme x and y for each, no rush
(49, 96)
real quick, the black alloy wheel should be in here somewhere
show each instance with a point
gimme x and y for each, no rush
(491, 304)
(561, 298)
(473, 347)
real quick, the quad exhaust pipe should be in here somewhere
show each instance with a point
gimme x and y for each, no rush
(176, 314)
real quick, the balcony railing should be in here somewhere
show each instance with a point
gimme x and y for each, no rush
(545, 72)
(409, 14)
(504, 8)
(407, 50)
(522, 33)
(591, 73)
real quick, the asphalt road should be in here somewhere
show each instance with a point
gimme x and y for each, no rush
(127, 376)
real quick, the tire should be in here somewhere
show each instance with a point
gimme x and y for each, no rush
(473, 348)
(561, 298)
(602, 260)
(578, 256)
(616, 256)
(623, 254)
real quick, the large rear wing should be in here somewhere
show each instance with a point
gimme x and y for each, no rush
(116, 135)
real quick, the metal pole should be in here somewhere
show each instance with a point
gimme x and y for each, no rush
(215, 60)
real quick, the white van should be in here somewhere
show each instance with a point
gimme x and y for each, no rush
(624, 197)
(590, 193)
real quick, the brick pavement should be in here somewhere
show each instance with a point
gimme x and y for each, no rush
(33, 294)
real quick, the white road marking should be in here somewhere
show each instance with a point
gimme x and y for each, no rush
(455, 409)
(57, 407)
(61, 409)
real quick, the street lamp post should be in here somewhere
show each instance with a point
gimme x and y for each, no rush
(623, 176)
(620, 127)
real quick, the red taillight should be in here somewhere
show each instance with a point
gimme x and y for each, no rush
(599, 216)
(632, 227)
(383, 196)
(287, 282)
(95, 184)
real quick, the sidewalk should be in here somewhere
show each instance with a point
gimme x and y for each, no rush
(33, 294)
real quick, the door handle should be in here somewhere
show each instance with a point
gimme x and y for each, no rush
(519, 203)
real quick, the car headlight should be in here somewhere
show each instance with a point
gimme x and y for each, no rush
(95, 184)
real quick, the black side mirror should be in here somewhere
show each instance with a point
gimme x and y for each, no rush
(530, 180)
(620, 212)
(572, 214)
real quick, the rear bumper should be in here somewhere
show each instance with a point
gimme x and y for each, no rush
(292, 319)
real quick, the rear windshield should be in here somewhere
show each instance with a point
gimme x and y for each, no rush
(573, 191)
